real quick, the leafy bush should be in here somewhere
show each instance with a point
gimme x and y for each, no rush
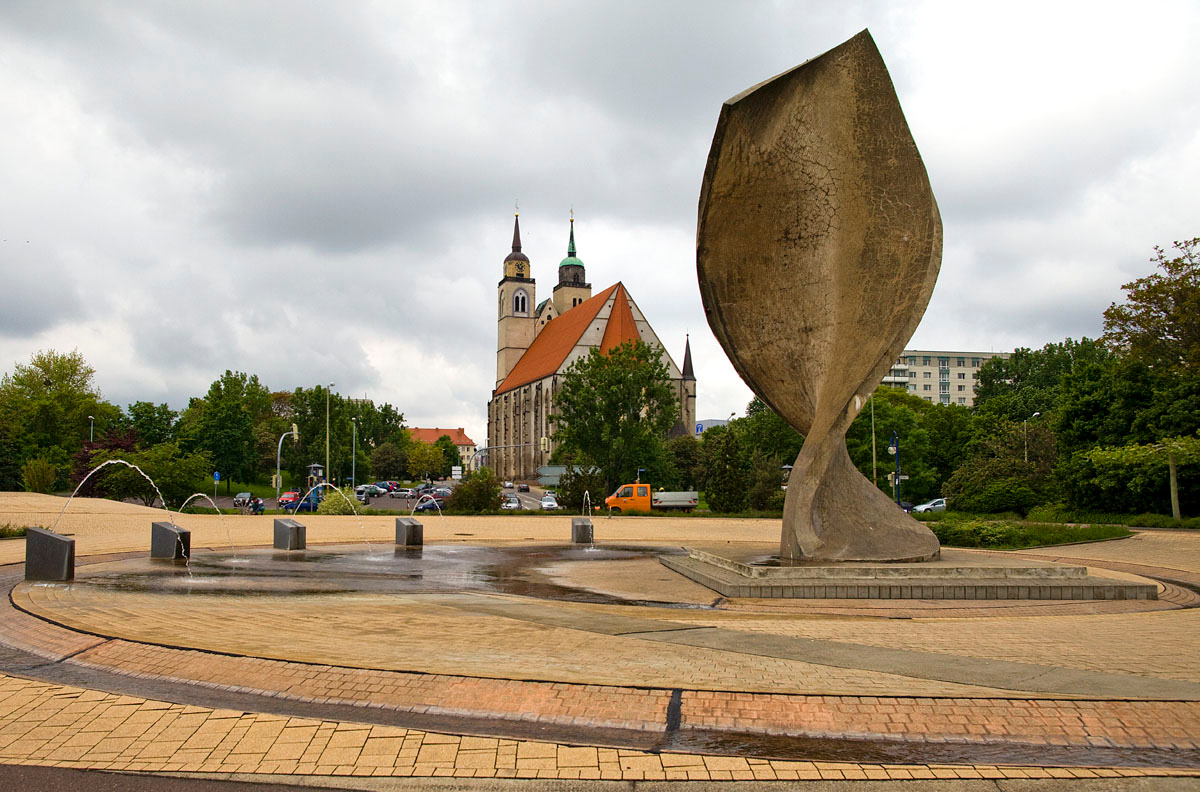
(479, 492)
(336, 504)
(10, 531)
(1131, 478)
(37, 475)
(1061, 513)
(986, 485)
(726, 470)
(577, 480)
(1008, 535)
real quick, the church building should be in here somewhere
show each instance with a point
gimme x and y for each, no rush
(537, 342)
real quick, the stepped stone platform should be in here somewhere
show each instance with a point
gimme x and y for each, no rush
(956, 576)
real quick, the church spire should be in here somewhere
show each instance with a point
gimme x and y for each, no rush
(516, 232)
(571, 244)
(687, 359)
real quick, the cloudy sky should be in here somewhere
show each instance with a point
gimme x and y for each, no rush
(323, 192)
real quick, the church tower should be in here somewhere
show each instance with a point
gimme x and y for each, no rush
(516, 301)
(572, 288)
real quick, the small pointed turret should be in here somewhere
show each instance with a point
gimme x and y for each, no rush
(516, 254)
(687, 359)
(571, 244)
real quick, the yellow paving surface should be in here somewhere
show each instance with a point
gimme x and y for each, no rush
(62, 726)
(42, 723)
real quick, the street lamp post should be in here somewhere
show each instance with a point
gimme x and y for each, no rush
(894, 450)
(91, 428)
(278, 451)
(353, 451)
(1026, 422)
(330, 390)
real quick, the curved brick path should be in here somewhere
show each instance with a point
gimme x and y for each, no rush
(42, 722)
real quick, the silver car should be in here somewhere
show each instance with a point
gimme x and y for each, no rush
(935, 505)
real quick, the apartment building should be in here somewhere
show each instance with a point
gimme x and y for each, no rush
(939, 377)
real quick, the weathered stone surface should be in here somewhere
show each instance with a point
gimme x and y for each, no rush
(289, 534)
(48, 556)
(818, 244)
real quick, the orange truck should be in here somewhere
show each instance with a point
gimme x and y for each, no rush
(639, 497)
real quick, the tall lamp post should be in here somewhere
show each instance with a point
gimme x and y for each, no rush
(91, 428)
(353, 451)
(327, 392)
(894, 450)
(278, 451)
(1026, 422)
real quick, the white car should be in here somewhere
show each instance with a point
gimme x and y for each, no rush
(510, 503)
(935, 505)
(508, 485)
(549, 503)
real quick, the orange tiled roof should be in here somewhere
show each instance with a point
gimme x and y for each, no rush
(562, 333)
(457, 436)
(621, 327)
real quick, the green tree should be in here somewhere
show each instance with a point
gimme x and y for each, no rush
(614, 411)
(726, 470)
(424, 460)
(575, 481)
(177, 474)
(227, 425)
(152, 423)
(686, 459)
(450, 453)
(478, 492)
(902, 413)
(387, 461)
(1029, 381)
(762, 429)
(766, 480)
(38, 475)
(45, 406)
(1159, 322)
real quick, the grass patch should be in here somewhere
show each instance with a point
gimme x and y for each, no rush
(10, 531)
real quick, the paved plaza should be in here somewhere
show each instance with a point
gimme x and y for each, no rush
(539, 663)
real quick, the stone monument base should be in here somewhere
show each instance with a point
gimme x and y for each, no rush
(958, 576)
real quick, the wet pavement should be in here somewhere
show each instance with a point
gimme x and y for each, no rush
(542, 659)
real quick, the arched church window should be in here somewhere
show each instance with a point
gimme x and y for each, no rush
(520, 302)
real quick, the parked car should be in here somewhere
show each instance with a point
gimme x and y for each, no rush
(443, 492)
(908, 507)
(508, 485)
(430, 505)
(402, 492)
(935, 505)
(307, 505)
(386, 486)
(549, 503)
(242, 500)
(522, 488)
(369, 489)
(511, 503)
(287, 498)
(395, 485)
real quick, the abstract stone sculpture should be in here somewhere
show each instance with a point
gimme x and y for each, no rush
(289, 534)
(818, 244)
(48, 556)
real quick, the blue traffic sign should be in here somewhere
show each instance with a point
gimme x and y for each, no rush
(699, 428)
(216, 476)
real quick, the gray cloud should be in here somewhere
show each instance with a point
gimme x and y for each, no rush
(313, 192)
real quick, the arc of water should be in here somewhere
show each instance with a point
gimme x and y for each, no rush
(101, 466)
(586, 511)
(221, 516)
(350, 503)
(424, 497)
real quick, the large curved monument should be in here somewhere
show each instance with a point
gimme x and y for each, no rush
(818, 244)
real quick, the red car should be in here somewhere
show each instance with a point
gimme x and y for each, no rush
(287, 499)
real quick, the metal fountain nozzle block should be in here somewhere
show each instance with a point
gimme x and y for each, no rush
(289, 534)
(169, 541)
(409, 532)
(48, 556)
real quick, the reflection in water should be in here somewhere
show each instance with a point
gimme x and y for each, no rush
(335, 569)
